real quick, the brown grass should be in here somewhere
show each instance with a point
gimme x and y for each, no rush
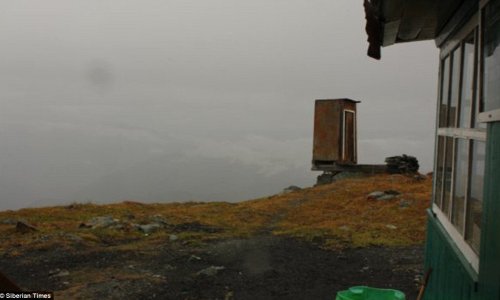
(337, 215)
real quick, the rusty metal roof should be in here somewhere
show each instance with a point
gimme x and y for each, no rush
(397, 21)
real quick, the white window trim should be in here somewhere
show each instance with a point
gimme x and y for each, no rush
(490, 116)
(463, 133)
(456, 237)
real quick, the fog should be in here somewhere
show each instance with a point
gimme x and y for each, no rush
(159, 101)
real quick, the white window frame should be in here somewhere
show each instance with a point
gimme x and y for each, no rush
(490, 116)
(462, 133)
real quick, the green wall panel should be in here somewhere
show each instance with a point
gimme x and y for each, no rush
(489, 264)
(450, 277)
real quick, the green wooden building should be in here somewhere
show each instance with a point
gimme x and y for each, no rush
(463, 236)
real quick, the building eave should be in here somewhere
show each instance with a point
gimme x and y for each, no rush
(390, 22)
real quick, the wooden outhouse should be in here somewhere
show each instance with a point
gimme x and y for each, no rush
(335, 140)
(463, 228)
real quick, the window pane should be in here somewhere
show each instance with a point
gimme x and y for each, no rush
(438, 191)
(475, 206)
(478, 105)
(443, 106)
(492, 55)
(448, 168)
(455, 87)
(461, 170)
(467, 82)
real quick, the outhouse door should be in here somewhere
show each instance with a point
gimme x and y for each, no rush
(349, 142)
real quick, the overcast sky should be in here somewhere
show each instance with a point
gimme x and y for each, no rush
(106, 100)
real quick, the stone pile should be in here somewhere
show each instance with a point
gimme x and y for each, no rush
(403, 164)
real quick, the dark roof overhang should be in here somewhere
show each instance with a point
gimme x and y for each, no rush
(397, 21)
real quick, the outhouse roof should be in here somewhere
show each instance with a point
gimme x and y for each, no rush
(338, 99)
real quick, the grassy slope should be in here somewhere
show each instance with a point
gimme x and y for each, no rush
(335, 215)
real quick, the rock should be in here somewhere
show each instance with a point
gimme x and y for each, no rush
(118, 226)
(8, 222)
(386, 197)
(345, 228)
(419, 177)
(173, 237)
(194, 257)
(58, 273)
(402, 164)
(148, 228)
(290, 189)
(129, 216)
(63, 273)
(211, 271)
(404, 203)
(100, 222)
(392, 192)
(325, 178)
(375, 195)
(73, 237)
(54, 271)
(417, 279)
(44, 238)
(24, 227)
(159, 219)
(229, 295)
(390, 226)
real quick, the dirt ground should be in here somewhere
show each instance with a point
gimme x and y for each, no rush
(304, 244)
(261, 267)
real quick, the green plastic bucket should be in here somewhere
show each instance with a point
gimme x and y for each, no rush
(368, 293)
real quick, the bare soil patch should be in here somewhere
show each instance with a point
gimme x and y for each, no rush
(262, 267)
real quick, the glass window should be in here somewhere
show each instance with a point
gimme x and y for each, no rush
(443, 106)
(467, 82)
(455, 87)
(439, 172)
(478, 104)
(474, 209)
(491, 54)
(459, 166)
(460, 185)
(448, 172)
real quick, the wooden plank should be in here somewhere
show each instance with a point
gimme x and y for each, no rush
(349, 147)
(326, 142)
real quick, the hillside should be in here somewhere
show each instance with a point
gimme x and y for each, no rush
(326, 238)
